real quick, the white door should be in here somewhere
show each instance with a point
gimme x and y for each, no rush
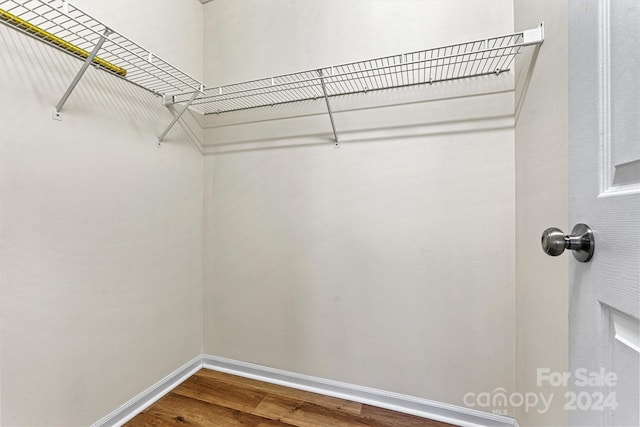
(604, 192)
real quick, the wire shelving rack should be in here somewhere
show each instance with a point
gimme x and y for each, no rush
(470, 59)
(61, 25)
(65, 27)
(458, 61)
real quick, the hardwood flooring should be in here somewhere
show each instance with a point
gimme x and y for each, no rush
(210, 398)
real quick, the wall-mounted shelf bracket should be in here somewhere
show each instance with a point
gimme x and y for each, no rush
(534, 36)
(326, 98)
(57, 110)
(177, 117)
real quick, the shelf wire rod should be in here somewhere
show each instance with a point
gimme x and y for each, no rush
(279, 96)
(389, 73)
(353, 82)
(152, 75)
(464, 61)
(445, 71)
(384, 82)
(339, 84)
(233, 104)
(91, 30)
(364, 83)
(515, 50)
(440, 63)
(491, 65)
(293, 87)
(96, 65)
(500, 60)
(451, 67)
(58, 14)
(378, 68)
(396, 74)
(448, 69)
(457, 64)
(309, 92)
(415, 70)
(326, 98)
(481, 63)
(376, 82)
(466, 65)
(79, 74)
(262, 99)
(424, 68)
(404, 69)
(292, 90)
(505, 52)
(336, 85)
(473, 57)
(177, 117)
(381, 71)
(357, 81)
(477, 58)
(495, 60)
(367, 85)
(509, 60)
(460, 62)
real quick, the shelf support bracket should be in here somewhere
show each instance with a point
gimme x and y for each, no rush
(177, 117)
(57, 115)
(326, 98)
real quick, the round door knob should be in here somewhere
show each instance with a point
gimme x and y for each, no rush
(580, 241)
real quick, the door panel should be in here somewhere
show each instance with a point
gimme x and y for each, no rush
(621, 344)
(604, 191)
(621, 95)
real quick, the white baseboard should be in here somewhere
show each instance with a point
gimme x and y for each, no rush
(444, 412)
(145, 399)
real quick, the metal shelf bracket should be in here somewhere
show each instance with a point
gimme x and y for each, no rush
(534, 36)
(326, 98)
(177, 117)
(57, 110)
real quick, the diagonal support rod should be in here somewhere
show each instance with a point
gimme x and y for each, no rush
(326, 98)
(76, 79)
(177, 117)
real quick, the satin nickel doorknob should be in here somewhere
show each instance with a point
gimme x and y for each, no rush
(580, 241)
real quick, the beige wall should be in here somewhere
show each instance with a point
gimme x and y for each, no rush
(541, 202)
(100, 231)
(388, 262)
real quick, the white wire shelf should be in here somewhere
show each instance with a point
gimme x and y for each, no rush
(63, 26)
(475, 58)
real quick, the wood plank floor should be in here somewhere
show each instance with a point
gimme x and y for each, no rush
(210, 398)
